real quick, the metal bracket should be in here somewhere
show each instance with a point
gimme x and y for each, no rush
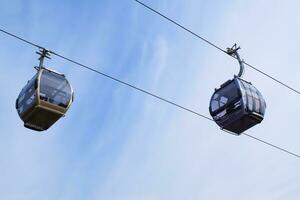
(233, 51)
(44, 53)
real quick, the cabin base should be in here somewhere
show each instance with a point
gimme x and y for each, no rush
(242, 124)
(41, 119)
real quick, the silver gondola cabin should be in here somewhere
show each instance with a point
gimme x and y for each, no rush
(45, 98)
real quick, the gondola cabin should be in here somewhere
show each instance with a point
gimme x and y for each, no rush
(44, 100)
(237, 106)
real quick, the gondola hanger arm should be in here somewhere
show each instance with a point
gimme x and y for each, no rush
(233, 51)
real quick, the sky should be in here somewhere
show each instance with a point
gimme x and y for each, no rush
(117, 143)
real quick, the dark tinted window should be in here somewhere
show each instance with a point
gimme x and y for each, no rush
(224, 96)
(255, 101)
(27, 97)
(55, 89)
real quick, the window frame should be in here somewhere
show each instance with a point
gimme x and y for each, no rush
(51, 82)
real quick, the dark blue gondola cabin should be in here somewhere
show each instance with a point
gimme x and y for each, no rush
(237, 106)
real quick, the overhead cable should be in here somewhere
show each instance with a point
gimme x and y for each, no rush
(216, 46)
(92, 69)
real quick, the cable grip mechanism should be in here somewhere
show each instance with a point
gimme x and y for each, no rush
(44, 53)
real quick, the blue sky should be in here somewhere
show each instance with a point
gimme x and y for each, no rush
(116, 143)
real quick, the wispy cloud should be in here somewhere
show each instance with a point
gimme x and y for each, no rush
(116, 143)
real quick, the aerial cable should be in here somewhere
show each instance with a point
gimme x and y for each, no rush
(272, 145)
(216, 46)
(138, 88)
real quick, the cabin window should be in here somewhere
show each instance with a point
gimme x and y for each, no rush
(55, 89)
(27, 97)
(224, 96)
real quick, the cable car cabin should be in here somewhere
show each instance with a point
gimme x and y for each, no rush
(44, 100)
(237, 106)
